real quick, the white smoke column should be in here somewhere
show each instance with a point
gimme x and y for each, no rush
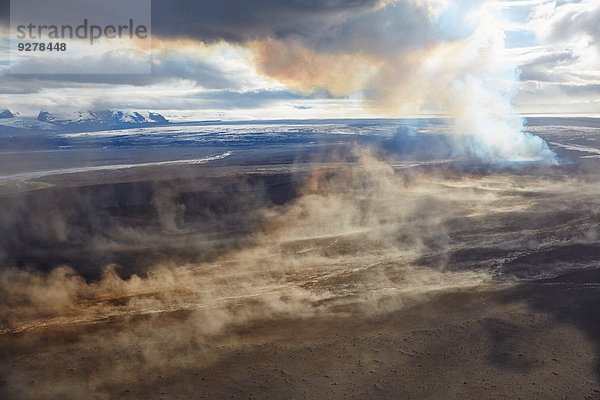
(480, 95)
(458, 65)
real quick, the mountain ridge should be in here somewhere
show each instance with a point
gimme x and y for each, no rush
(110, 119)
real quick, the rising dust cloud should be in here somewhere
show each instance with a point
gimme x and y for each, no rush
(360, 239)
(354, 239)
(364, 224)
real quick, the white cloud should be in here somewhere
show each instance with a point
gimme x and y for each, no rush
(561, 73)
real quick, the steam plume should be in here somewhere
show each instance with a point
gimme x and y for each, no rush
(465, 75)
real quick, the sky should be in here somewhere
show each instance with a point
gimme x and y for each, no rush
(271, 59)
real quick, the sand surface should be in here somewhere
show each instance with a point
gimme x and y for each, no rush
(538, 340)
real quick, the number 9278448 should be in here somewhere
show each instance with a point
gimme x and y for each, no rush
(42, 46)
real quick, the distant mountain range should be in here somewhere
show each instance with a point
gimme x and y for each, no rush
(82, 120)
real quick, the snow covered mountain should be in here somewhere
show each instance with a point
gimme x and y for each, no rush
(79, 121)
(108, 119)
(13, 122)
(6, 114)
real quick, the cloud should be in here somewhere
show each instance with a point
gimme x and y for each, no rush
(241, 21)
(543, 67)
(592, 89)
(568, 21)
(559, 73)
(307, 70)
(250, 99)
(5, 12)
(220, 66)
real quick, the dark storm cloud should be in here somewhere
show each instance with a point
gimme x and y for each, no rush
(311, 20)
(242, 20)
(380, 32)
(4, 12)
(366, 26)
(238, 20)
(345, 25)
